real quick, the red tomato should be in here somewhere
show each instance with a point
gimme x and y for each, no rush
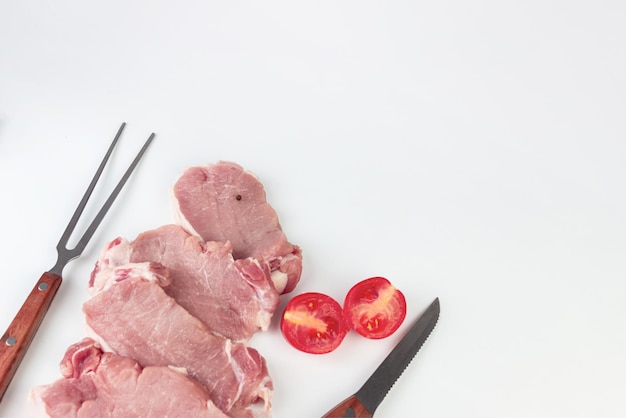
(314, 323)
(374, 308)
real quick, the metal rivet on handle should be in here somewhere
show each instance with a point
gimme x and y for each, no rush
(42, 286)
(11, 341)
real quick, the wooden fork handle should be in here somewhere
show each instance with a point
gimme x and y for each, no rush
(17, 338)
(350, 408)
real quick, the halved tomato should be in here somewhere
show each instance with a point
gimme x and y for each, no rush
(314, 323)
(374, 308)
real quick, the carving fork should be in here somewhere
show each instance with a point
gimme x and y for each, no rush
(17, 338)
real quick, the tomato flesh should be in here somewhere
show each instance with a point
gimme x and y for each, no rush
(313, 322)
(374, 308)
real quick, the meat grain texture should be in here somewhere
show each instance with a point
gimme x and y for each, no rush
(171, 311)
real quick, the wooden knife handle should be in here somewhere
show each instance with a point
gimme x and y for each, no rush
(17, 338)
(350, 408)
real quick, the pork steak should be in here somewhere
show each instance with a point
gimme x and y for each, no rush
(222, 202)
(96, 384)
(234, 298)
(135, 318)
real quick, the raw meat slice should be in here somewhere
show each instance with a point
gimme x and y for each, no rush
(222, 202)
(104, 385)
(234, 298)
(135, 318)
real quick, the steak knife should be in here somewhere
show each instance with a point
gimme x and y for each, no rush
(364, 402)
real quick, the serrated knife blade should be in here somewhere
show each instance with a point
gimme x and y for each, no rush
(364, 402)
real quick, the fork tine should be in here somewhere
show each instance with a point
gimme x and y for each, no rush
(66, 254)
(105, 208)
(81, 206)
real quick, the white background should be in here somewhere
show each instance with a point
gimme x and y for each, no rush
(471, 151)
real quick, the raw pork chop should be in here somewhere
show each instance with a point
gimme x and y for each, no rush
(234, 298)
(104, 385)
(222, 202)
(135, 318)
